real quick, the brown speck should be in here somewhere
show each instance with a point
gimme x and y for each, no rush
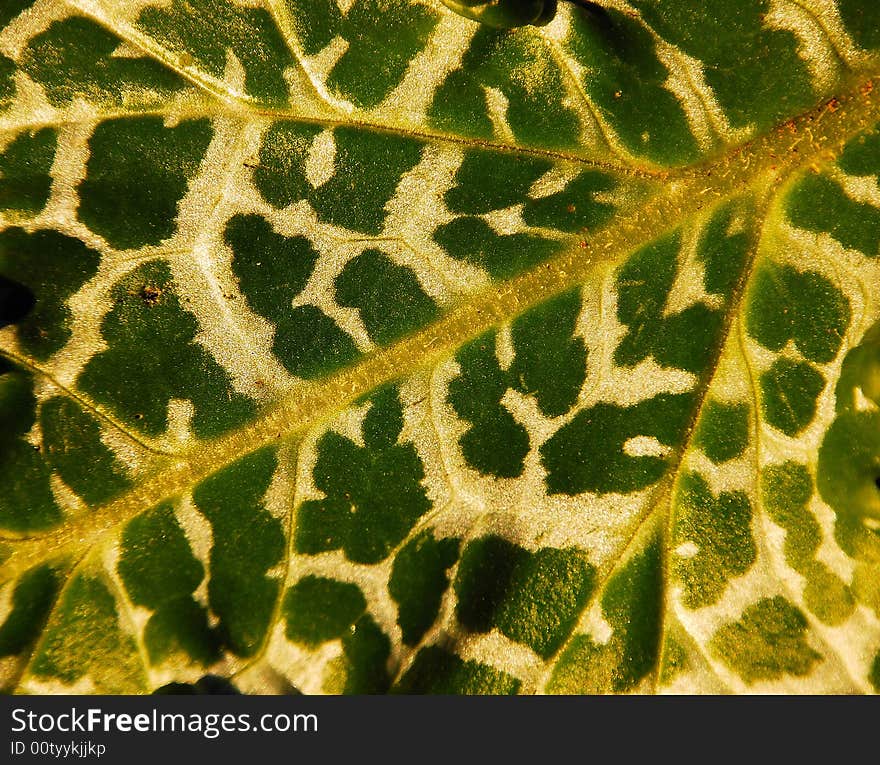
(832, 105)
(570, 208)
(617, 94)
(150, 294)
(867, 87)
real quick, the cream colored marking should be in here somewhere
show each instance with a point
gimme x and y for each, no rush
(594, 624)
(320, 290)
(428, 69)
(239, 339)
(496, 107)
(320, 164)
(860, 188)
(318, 68)
(687, 81)
(815, 48)
(500, 652)
(645, 446)
(826, 16)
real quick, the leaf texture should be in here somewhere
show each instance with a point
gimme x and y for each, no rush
(355, 346)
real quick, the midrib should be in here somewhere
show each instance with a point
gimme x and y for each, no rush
(813, 138)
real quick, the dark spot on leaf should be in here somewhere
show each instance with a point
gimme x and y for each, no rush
(16, 301)
(151, 294)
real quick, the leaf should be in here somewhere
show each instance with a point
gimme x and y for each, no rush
(356, 346)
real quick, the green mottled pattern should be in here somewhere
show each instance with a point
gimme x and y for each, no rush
(767, 642)
(424, 346)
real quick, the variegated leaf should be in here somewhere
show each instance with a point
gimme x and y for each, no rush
(355, 346)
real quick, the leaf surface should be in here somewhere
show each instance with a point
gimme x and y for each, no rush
(356, 347)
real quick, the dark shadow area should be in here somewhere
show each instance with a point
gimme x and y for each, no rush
(16, 301)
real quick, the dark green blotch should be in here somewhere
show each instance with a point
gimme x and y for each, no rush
(373, 493)
(368, 168)
(495, 444)
(862, 20)
(156, 562)
(633, 606)
(32, 599)
(723, 430)
(280, 175)
(160, 572)
(418, 581)
(317, 610)
(533, 598)
(786, 304)
(247, 542)
(206, 685)
(316, 22)
(505, 14)
(768, 642)
(26, 499)
(789, 391)
(208, 31)
(369, 68)
(786, 489)
(574, 208)
(860, 372)
(181, 626)
(389, 298)
(861, 156)
(137, 173)
(685, 340)
(473, 241)
(153, 356)
(440, 672)
(550, 362)
(817, 203)
(723, 254)
(310, 344)
(626, 85)
(488, 181)
(74, 58)
(47, 268)
(84, 638)
(720, 527)
(586, 454)
(73, 447)
(734, 42)
(272, 270)
(364, 660)
(849, 466)
(537, 112)
(874, 675)
(24, 171)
